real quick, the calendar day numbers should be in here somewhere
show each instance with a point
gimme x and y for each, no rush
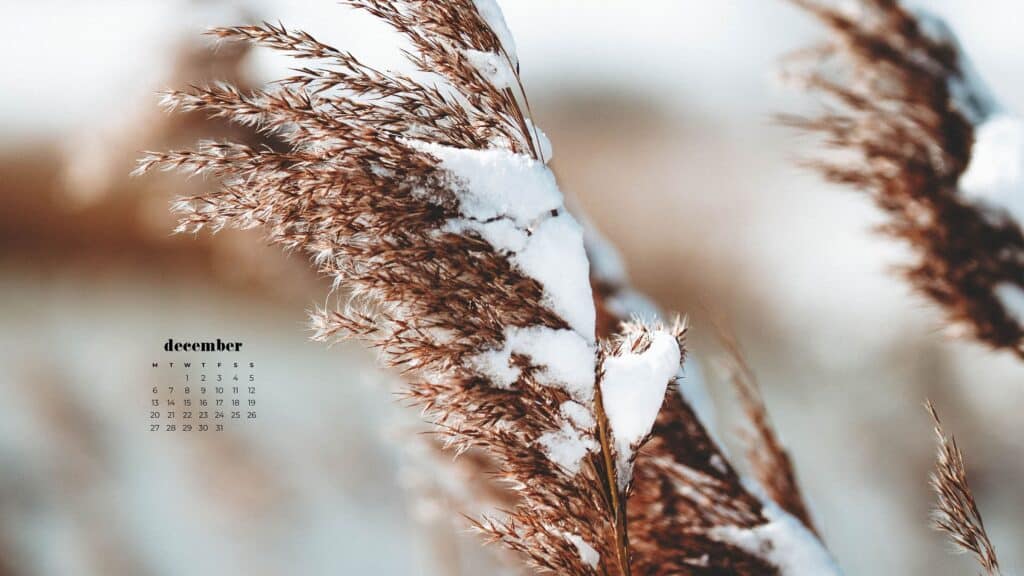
(199, 395)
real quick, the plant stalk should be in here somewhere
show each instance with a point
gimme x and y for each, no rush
(618, 501)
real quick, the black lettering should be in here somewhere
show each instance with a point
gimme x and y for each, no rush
(219, 345)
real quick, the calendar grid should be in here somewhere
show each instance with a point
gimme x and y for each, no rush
(202, 396)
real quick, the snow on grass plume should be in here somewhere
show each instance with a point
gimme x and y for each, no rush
(995, 174)
(568, 447)
(565, 360)
(589, 556)
(633, 390)
(1012, 298)
(495, 18)
(494, 67)
(784, 541)
(513, 201)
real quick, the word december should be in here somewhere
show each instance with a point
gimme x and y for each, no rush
(218, 346)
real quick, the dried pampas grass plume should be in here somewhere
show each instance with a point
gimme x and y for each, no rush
(428, 200)
(770, 461)
(956, 513)
(903, 112)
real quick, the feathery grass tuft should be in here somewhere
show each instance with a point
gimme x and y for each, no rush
(901, 111)
(428, 200)
(956, 513)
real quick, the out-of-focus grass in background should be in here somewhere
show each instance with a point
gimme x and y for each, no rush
(660, 113)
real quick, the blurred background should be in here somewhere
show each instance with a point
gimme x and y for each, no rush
(661, 117)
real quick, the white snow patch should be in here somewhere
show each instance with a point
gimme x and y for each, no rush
(1012, 298)
(633, 390)
(495, 18)
(495, 364)
(493, 67)
(589, 556)
(567, 447)
(497, 182)
(718, 463)
(546, 242)
(578, 414)
(556, 258)
(566, 360)
(784, 541)
(995, 174)
(502, 234)
(547, 152)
